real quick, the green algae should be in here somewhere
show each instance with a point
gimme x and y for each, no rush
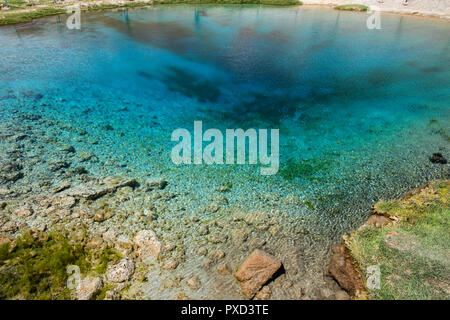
(304, 168)
(108, 255)
(35, 267)
(309, 205)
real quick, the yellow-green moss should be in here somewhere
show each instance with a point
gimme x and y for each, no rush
(108, 255)
(352, 7)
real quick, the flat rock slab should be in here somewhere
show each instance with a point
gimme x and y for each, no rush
(94, 190)
(255, 271)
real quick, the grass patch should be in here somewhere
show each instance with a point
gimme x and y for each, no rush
(21, 17)
(352, 7)
(412, 253)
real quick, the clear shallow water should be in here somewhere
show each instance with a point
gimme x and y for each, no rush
(359, 111)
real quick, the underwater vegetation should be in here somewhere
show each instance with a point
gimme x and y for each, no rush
(438, 129)
(35, 266)
(306, 168)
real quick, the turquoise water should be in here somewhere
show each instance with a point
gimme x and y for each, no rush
(359, 111)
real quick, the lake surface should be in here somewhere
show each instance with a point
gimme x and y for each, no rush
(359, 111)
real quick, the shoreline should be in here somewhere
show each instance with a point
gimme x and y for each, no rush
(394, 7)
(394, 230)
(118, 4)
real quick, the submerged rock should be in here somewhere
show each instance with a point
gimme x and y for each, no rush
(223, 269)
(147, 244)
(255, 271)
(156, 183)
(344, 272)
(170, 264)
(93, 191)
(194, 283)
(438, 158)
(121, 271)
(23, 212)
(124, 244)
(58, 165)
(89, 287)
(67, 148)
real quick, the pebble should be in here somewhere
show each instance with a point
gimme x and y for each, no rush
(194, 283)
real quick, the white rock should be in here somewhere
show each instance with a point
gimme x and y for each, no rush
(121, 271)
(88, 287)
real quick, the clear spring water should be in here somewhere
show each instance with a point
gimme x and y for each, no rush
(359, 111)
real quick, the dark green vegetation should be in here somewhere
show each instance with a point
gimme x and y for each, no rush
(35, 267)
(352, 7)
(412, 252)
(304, 168)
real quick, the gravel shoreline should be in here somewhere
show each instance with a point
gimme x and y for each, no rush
(438, 9)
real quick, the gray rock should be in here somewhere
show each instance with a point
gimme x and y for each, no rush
(121, 271)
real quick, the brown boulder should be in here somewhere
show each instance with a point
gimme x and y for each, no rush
(344, 271)
(377, 221)
(255, 271)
